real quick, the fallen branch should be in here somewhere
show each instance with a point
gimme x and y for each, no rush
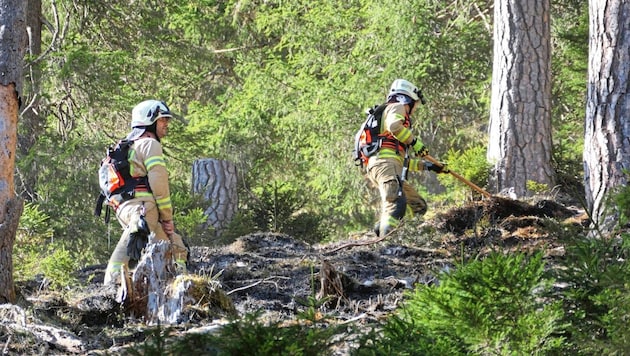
(363, 243)
(357, 318)
(6, 346)
(253, 284)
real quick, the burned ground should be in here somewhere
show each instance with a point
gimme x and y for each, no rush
(278, 274)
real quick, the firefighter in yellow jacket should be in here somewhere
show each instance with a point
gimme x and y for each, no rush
(384, 169)
(150, 208)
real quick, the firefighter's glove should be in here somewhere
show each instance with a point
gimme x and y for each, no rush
(138, 239)
(419, 147)
(437, 168)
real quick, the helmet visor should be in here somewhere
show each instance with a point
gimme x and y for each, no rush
(162, 111)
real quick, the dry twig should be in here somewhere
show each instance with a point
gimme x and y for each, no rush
(254, 284)
(362, 243)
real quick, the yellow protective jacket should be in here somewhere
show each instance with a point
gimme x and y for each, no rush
(396, 126)
(147, 159)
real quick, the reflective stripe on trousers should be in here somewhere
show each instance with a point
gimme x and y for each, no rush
(128, 214)
(382, 172)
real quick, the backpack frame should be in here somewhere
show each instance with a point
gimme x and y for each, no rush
(368, 139)
(115, 178)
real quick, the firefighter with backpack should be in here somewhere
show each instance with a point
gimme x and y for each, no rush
(397, 151)
(146, 207)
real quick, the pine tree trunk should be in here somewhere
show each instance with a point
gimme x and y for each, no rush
(12, 46)
(32, 119)
(607, 126)
(216, 180)
(520, 145)
(8, 230)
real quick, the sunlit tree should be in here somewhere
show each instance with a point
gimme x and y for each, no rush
(12, 47)
(520, 145)
(607, 126)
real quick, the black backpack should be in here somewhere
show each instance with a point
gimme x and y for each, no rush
(367, 140)
(114, 177)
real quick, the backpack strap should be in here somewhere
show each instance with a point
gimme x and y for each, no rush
(108, 213)
(99, 204)
(98, 210)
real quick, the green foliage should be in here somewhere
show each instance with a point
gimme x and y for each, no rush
(569, 64)
(471, 164)
(616, 302)
(67, 188)
(492, 306)
(279, 207)
(622, 201)
(242, 224)
(59, 266)
(190, 218)
(33, 229)
(596, 274)
(537, 188)
(53, 263)
(156, 342)
(36, 253)
(246, 336)
(250, 336)
(403, 337)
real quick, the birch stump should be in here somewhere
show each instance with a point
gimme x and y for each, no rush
(215, 180)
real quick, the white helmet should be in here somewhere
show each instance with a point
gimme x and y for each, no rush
(148, 111)
(401, 86)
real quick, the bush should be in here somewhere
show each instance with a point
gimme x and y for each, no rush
(281, 208)
(189, 217)
(246, 336)
(622, 201)
(472, 165)
(596, 302)
(37, 254)
(492, 306)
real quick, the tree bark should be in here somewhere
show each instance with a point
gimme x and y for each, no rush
(32, 122)
(607, 126)
(216, 181)
(12, 47)
(157, 294)
(520, 145)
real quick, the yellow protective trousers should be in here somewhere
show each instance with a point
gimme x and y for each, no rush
(128, 214)
(385, 173)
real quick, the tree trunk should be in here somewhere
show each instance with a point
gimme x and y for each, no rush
(216, 180)
(32, 122)
(157, 294)
(12, 46)
(520, 145)
(607, 126)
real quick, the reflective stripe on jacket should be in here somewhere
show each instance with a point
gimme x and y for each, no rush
(396, 130)
(147, 159)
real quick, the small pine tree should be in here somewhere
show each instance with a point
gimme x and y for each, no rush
(496, 305)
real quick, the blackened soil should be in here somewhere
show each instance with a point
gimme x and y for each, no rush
(277, 275)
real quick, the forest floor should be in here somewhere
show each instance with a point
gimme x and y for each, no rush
(278, 275)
